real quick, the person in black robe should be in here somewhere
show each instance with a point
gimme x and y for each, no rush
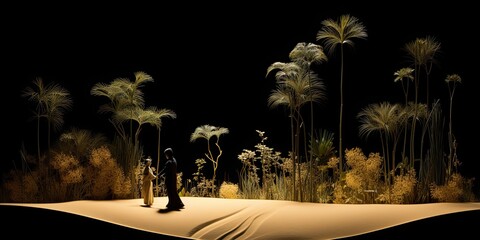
(170, 173)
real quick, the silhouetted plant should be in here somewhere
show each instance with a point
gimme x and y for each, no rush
(340, 33)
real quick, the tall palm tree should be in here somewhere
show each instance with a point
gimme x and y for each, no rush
(305, 54)
(207, 132)
(295, 87)
(339, 33)
(51, 101)
(126, 104)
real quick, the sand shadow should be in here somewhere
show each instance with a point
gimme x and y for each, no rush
(167, 210)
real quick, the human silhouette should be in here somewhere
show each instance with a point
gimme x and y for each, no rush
(170, 173)
(147, 185)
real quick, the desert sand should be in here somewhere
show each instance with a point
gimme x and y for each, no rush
(217, 218)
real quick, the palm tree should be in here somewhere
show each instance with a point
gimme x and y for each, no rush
(305, 54)
(340, 33)
(131, 95)
(295, 87)
(452, 80)
(207, 132)
(51, 101)
(126, 104)
(125, 97)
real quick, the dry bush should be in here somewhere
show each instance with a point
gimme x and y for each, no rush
(106, 177)
(403, 190)
(22, 187)
(68, 168)
(457, 189)
(229, 190)
(361, 177)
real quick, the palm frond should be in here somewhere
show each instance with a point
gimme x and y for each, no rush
(207, 131)
(422, 50)
(308, 53)
(342, 31)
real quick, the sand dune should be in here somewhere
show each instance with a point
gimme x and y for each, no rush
(216, 218)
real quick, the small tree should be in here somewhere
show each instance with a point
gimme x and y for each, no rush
(207, 132)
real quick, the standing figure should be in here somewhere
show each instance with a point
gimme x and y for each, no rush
(170, 171)
(147, 185)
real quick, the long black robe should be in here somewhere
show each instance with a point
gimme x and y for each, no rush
(174, 201)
